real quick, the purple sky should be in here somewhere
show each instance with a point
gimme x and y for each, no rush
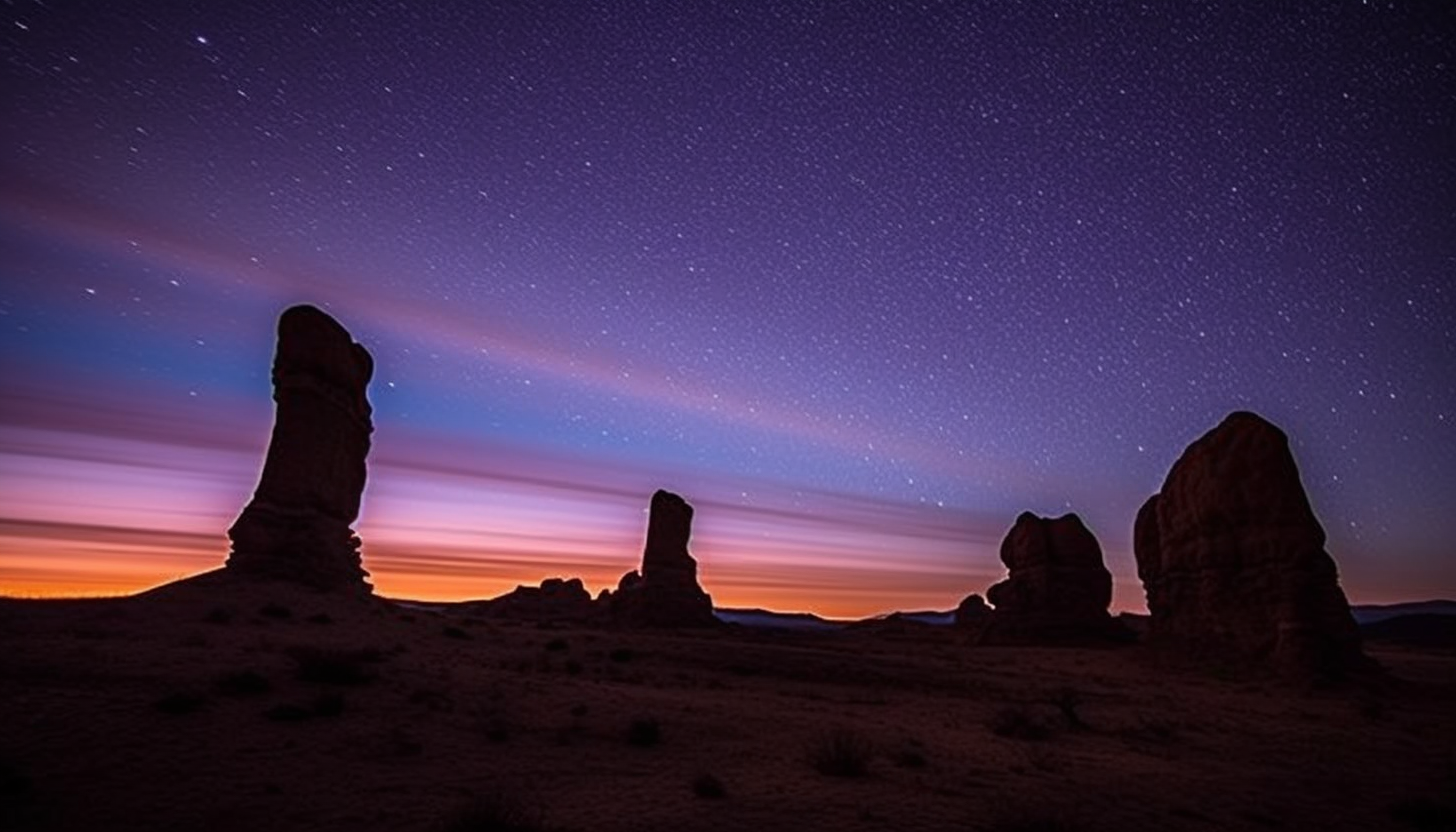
(861, 281)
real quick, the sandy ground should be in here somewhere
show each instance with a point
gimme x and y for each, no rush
(220, 707)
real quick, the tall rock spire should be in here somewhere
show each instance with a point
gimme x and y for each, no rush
(297, 526)
(666, 593)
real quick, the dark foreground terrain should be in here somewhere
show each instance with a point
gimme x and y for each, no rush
(251, 707)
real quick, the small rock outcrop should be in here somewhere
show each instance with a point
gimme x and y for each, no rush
(972, 611)
(556, 599)
(666, 592)
(296, 528)
(1057, 590)
(1233, 559)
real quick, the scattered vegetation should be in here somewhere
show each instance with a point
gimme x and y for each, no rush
(843, 752)
(451, 631)
(219, 615)
(557, 645)
(320, 618)
(622, 655)
(1017, 722)
(181, 702)
(644, 733)
(709, 787)
(275, 610)
(334, 666)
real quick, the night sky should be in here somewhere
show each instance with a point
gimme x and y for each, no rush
(861, 281)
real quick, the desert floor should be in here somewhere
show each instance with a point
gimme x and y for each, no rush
(211, 707)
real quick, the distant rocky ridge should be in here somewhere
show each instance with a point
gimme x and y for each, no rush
(1233, 558)
(297, 526)
(1417, 629)
(555, 600)
(1373, 613)
(666, 592)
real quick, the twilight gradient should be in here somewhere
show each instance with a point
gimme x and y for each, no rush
(861, 280)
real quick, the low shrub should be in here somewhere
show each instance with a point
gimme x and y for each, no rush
(844, 752)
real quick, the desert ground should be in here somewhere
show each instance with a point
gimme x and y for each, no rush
(218, 705)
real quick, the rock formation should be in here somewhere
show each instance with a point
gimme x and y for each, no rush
(1057, 589)
(972, 611)
(556, 599)
(1233, 558)
(296, 527)
(666, 592)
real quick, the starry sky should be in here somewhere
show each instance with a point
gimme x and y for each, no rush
(861, 280)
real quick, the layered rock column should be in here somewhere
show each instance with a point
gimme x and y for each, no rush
(1233, 559)
(666, 592)
(297, 526)
(1057, 589)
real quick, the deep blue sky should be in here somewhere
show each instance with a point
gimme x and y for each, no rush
(953, 260)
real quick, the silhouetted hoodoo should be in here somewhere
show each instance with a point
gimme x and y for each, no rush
(1233, 558)
(296, 527)
(666, 592)
(1057, 589)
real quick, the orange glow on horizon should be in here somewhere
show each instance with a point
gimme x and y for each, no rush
(44, 562)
